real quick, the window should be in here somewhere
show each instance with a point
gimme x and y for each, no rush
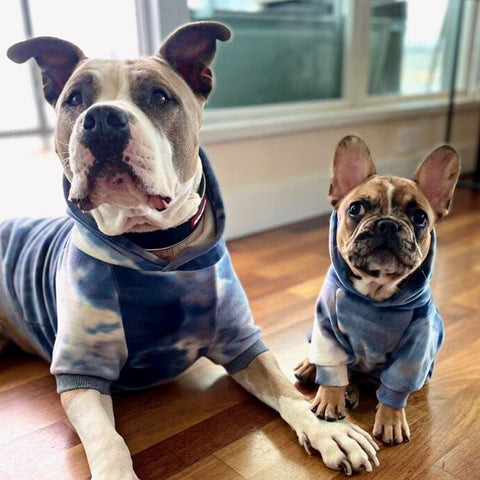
(21, 104)
(411, 46)
(282, 51)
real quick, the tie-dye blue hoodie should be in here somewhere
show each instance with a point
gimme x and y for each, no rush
(126, 319)
(395, 340)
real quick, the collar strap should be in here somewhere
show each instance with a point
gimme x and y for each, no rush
(162, 239)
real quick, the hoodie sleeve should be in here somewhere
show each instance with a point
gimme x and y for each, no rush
(326, 352)
(90, 347)
(411, 362)
(237, 339)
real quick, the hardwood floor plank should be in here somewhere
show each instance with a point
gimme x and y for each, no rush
(29, 407)
(157, 462)
(209, 468)
(152, 416)
(17, 369)
(207, 437)
(434, 473)
(463, 461)
(271, 453)
(31, 453)
(192, 445)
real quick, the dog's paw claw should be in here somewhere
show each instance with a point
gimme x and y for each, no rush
(346, 468)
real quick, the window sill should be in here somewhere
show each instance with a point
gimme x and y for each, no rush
(264, 121)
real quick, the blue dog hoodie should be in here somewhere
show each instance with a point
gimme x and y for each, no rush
(109, 315)
(395, 340)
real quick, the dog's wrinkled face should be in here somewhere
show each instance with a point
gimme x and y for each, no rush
(385, 222)
(123, 136)
(384, 229)
(127, 132)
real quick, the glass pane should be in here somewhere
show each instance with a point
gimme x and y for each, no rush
(16, 95)
(280, 51)
(94, 35)
(101, 28)
(411, 45)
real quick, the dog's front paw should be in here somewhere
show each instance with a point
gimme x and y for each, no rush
(342, 445)
(329, 403)
(391, 425)
(305, 372)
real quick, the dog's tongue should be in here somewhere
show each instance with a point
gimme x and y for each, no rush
(159, 203)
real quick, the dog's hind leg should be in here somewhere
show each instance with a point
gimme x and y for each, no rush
(352, 396)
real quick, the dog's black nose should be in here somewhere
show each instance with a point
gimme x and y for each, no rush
(106, 131)
(387, 227)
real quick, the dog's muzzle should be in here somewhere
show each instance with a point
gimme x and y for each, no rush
(105, 131)
(385, 243)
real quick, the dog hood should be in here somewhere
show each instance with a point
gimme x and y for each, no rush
(414, 293)
(133, 254)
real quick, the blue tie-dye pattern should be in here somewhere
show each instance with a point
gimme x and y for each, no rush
(126, 318)
(103, 328)
(395, 340)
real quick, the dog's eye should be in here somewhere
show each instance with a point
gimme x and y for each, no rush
(75, 99)
(160, 97)
(419, 218)
(357, 209)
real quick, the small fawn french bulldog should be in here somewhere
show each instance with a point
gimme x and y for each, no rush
(375, 313)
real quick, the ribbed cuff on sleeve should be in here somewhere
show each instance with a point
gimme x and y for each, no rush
(392, 398)
(244, 359)
(66, 382)
(335, 376)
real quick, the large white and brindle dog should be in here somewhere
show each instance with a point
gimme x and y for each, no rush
(136, 284)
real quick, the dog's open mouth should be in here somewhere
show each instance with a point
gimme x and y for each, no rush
(157, 202)
(118, 186)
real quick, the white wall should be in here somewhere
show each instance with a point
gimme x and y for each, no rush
(276, 180)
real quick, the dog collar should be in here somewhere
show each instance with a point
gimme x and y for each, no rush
(162, 239)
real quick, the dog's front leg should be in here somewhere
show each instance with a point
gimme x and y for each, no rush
(391, 425)
(91, 414)
(343, 446)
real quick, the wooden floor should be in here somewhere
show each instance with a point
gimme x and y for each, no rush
(203, 426)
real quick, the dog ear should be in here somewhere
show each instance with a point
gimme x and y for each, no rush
(352, 164)
(437, 176)
(56, 58)
(190, 50)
